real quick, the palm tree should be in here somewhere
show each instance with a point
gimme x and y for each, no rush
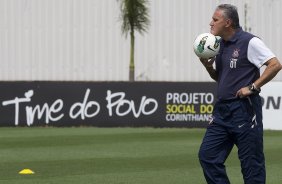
(134, 16)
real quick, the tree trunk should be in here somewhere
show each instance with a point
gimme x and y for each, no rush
(131, 65)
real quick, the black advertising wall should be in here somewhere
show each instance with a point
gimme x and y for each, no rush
(106, 104)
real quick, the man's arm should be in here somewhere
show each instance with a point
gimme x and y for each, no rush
(208, 64)
(273, 66)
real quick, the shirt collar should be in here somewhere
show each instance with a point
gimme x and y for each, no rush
(235, 37)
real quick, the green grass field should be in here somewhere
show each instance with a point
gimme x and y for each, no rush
(116, 156)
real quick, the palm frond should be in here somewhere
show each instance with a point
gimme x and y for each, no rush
(134, 16)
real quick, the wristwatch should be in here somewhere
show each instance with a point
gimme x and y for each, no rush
(254, 89)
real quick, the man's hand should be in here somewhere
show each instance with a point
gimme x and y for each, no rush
(244, 92)
(208, 63)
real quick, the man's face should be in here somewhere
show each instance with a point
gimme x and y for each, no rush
(218, 23)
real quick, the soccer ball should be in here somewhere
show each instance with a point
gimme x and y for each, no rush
(206, 45)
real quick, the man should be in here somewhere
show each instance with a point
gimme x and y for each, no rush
(237, 115)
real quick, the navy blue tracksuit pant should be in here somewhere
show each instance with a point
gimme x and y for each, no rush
(236, 122)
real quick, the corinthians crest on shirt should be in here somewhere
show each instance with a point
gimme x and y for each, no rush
(236, 53)
(234, 59)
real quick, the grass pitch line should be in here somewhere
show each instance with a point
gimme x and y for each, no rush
(26, 171)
